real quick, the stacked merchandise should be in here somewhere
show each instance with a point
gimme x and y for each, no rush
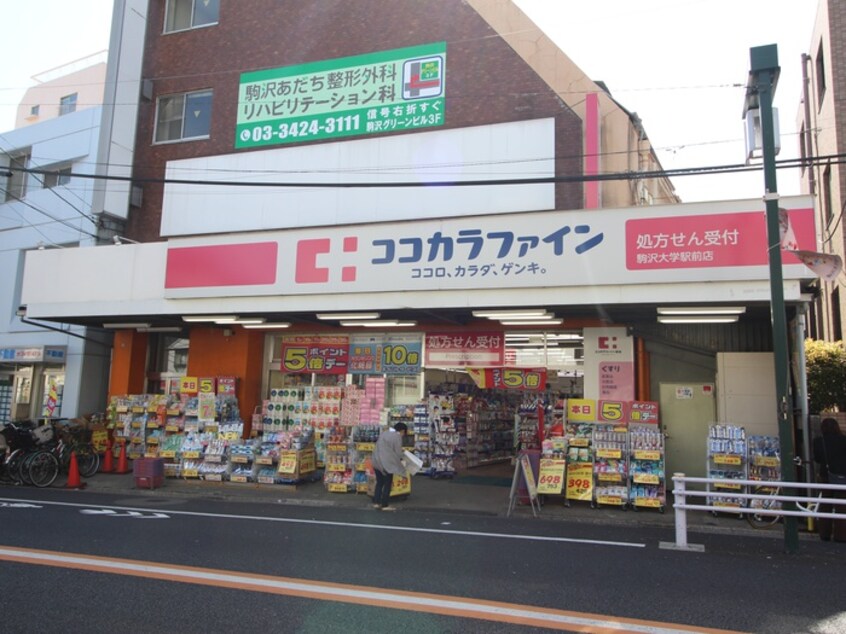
(338, 471)
(764, 461)
(610, 466)
(296, 457)
(447, 439)
(422, 429)
(364, 442)
(319, 407)
(241, 456)
(527, 431)
(579, 461)
(648, 484)
(726, 461)
(373, 402)
(215, 465)
(490, 432)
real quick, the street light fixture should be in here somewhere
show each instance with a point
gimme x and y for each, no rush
(760, 87)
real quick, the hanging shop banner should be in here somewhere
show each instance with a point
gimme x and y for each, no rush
(551, 476)
(386, 354)
(226, 385)
(580, 481)
(643, 412)
(455, 349)
(532, 379)
(320, 354)
(189, 385)
(206, 407)
(616, 412)
(581, 410)
(385, 91)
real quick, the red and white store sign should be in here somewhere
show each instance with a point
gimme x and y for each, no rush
(663, 244)
(451, 349)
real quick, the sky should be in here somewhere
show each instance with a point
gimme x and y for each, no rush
(681, 65)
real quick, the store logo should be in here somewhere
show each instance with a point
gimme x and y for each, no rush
(307, 270)
(422, 78)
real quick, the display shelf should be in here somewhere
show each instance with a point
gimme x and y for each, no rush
(422, 429)
(490, 435)
(446, 438)
(726, 461)
(338, 470)
(364, 439)
(764, 463)
(580, 458)
(648, 488)
(610, 467)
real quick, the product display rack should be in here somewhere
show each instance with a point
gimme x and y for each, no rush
(364, 439)
(764, 462)
(422, 430)
(490, 434)
(726, 461)
(442, 410)
(610, 466)
(527, 429)
(580, 460)
(648, 488)
(338, 470)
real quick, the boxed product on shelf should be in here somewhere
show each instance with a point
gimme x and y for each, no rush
(726, 461)
(646, 466)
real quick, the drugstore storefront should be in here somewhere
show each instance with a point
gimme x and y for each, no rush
(442, 290)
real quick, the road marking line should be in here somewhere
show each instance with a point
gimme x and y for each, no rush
(409, 529)
(348, 593)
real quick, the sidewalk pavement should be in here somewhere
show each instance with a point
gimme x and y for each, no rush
(472, 494)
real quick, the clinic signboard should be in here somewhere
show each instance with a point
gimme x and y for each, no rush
(386, 91)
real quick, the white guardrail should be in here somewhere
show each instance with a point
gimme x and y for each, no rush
(808, 505)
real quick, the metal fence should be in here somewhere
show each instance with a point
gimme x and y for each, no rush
(781, 493)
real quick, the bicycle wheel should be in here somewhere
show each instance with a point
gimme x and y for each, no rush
(43, 469)
(87, 460)
(13, 466)
(23, 467)
(757, 520)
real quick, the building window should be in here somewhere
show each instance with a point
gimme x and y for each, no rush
(67, 104)
(820, 76)
(58, 175)
(836, 327)
(182, 117)
(190, 14)
(15, 185)
(33, 112)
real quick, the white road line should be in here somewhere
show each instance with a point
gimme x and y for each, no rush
(287, 520)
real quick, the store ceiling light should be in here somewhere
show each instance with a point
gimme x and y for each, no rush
(202, 318)
(347, 316)
(161, 329)
(243, 321)
(269, 325)
(515, 313)
(702, 310)
(698, 319)
(128, 325)
(532, 322)
(382, 323)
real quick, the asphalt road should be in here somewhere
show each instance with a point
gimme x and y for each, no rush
(73, 559)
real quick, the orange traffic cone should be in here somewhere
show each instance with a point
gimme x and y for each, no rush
(123, 465)
(74, 482)
(107, 466)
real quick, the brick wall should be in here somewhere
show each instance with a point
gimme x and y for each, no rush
(486, 81)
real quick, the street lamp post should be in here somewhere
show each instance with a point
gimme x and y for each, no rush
(763, 78)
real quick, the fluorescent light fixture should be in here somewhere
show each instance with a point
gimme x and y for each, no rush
(201, 318)
(386, 323)
(269, 325)
(243, 321)
(533, 322)
(699, 319)
(346, 316)
(133, 324)
(161, 329)
(505, 314)
(702, 310)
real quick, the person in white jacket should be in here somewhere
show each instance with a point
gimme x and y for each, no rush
(387, 462)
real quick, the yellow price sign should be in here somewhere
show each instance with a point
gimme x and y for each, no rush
(551, 476)
(767, 461)
(730, 459)
(190, 473)
(647, 455)
(648, 502)
(264, 459)
(609, 453)
(287, 465)
(238, 478)
(646, 478)
(609, 477)
(334, 487)
(365, 446)
(580, 481)
(581, 410)
(336, 466)
(580, 442)
(612, 500)
(266, 480)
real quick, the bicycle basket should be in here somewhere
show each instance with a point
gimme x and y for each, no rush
(42, 434)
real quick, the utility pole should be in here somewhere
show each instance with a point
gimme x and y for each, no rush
(760, 88)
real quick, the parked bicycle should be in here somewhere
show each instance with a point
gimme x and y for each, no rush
(757, 520)
(73, 438)
(25, 458)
